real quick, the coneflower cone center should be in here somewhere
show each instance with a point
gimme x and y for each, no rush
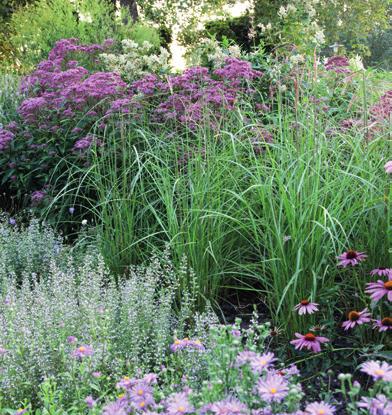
(304, 302)
(387, 321)
(388, 285)
(310, 337)
(353, 315)
(351, 254)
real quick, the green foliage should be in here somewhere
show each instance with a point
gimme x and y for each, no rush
(140, 33)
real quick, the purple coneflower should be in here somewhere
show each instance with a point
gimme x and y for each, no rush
(356, 318)
(305, 306)
(273, 388)
(227, 406)
(384, 324)
(178, 404)
(319, 408)
(388, 167)
(381, 272)
(378, 289)
(83, 351)
(260, 363)
(308, 341)
(351, 257)
(378, 370)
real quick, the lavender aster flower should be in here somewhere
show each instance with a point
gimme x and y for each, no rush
(380, 405)
(71, 339)
(83, 351)
(263, 362)
(245, 357)
(273, 388)
(228, 406)
(319, 408)
(378, 370)
(178, 404)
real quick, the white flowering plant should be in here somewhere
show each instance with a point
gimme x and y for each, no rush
(136, 60)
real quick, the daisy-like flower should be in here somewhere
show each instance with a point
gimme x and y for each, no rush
(320, 408)
(273, 388)
(227, 406)
(351, 257)
(72, 339)
(380, 405)
(378, 370)
(305, 306)
(180, 344)
(356, 318)
(381, 272)
(383, 325)
(308, 341)
(178, 404)
(260, 363)
(83, 351)
(378, 289)
(388, 167)
(21, 411)
(245, 357)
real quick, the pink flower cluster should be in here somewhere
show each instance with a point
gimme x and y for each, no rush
(197, 94)
(5, 138)
(338, 64)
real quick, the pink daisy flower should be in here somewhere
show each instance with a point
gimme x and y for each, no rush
(378, 370)
(378, 289)
(320, 408)
(83, 351)
(388, 167)
(351, 257)
(381, 272)
(356, 318)
(308, 341)
(273, 388)
(383, 325)
(260, 363)
(305, 306)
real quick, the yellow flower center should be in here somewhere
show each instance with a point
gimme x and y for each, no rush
(321, 412)
(177, 342)
(181, 409)
(82, 349)
(121, 395)
(379, 372)
(263, 362)
(388, 285)
(140, 392)
(273, 390)
(126, 377)
(142, 404)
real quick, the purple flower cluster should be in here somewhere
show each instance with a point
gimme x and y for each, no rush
(60, 88)
(197, 94)
(338, 64)
(382, 110)
(5, 138)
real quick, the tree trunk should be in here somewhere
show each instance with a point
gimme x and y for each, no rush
(131, 5)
